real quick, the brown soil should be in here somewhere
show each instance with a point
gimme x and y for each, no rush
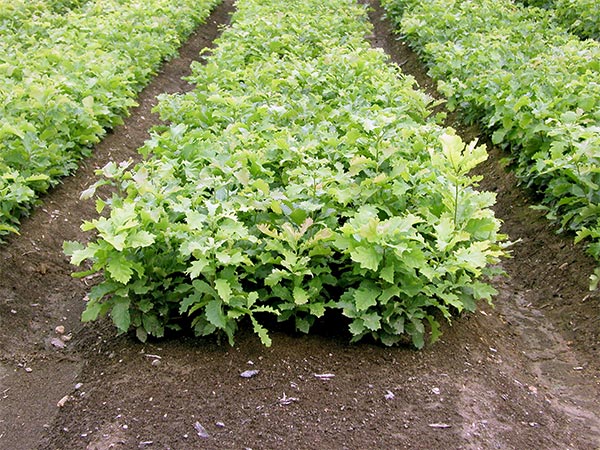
(518, 376)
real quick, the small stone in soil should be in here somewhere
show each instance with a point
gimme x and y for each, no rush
(249, 373)
(285, 400)
(201, 430)
(58, 343)
(63, 401)
(60, 329)
(439, 425)
(324, 376)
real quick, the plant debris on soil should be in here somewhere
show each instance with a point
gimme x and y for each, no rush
(522, 374)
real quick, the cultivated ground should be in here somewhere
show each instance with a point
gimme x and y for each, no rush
(521, 375)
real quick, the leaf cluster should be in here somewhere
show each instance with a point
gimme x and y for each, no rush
(533, 84)
(296, 178)
(578, 16)
(70, 69)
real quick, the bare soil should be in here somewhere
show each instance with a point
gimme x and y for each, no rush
(521, 375)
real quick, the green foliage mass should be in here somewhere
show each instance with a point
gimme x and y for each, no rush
(581, 17)
(300, 175)
(534, 85)
(70, 69)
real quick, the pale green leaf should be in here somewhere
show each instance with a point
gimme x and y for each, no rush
(120, 314)
(452, 146)
(387, 273)
(367, 257)
(223, 257)
(78, 252)
(196, 267)
(8, 228)
(443, 233)
(452, 299)
(243, 176)
(473, 257)
(261, 332)
(195, 220)
(371, 321)
(357, 327)
(88, 102)
(365, 297)
(251, 299)
(300, 295)
(91, 312)
(483, 291)
(302, 325)
(298, 216)
(435, 328)
(141, 334)
(275, 277)
(189, 301)
(224, 289)
(261, 185)
(152, 325)
(417, 332)
(120, 270)
(117, 241)
(317, 309)
(141, 239)
(276, 207)
(215, 315)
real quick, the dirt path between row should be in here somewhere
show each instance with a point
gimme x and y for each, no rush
(521, 375)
